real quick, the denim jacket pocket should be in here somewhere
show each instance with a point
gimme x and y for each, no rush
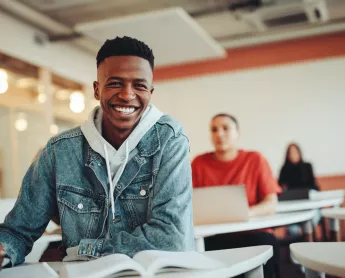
(135, 199)
(80, 212)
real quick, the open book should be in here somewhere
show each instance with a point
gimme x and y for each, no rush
(29, 271)
(144, 263)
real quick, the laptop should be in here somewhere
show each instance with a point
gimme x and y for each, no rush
(294, 194)
(220, 204)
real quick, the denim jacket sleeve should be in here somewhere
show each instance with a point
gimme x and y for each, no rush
(170, 226)
(35, 206)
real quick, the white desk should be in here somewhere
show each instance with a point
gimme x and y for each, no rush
(320, 257)
(289, 206)
(335, 213)
(247, 260)
(254, 223)
(301, 205)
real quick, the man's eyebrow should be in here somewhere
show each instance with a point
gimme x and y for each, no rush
(115, 78)
(141, 80)
(111, 78)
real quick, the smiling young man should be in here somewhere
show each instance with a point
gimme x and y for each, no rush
(120, 183)
(228, 165)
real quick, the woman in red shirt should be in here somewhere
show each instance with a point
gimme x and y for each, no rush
(228, 165)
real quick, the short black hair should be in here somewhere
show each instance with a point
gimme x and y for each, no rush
(125, 46)
(229, 116)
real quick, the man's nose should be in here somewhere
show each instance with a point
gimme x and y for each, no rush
(127, 94)
(220, 133)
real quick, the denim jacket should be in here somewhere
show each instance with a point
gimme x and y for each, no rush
(152, 198)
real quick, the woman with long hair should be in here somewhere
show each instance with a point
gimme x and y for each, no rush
(295, 173)
(298, 174)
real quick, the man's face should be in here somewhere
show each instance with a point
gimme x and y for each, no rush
(124, 89)
(224, 133)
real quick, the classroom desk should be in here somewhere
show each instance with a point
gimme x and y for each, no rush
(334, 215)
(254, 223)
(337, 213)
(320, 257)
(301, 205)
(289, 206)
(248, 260)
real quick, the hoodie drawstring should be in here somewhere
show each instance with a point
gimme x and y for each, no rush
(117, 175)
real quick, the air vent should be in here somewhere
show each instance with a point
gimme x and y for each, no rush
(286, 20)
(50, 5)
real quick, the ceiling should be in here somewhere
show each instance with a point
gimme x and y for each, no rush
(174, 36)
(202, 28)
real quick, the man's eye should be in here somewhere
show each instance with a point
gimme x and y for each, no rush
(114, 84)
(140, 86)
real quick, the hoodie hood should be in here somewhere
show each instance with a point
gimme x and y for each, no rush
(116, 160)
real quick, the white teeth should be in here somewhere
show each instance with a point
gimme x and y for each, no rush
(125, 110)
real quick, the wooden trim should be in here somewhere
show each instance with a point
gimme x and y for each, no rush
(338, 176)
(271, 54)
(331, 182)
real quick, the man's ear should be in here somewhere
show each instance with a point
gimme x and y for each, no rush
(237, 134)
(96, 90)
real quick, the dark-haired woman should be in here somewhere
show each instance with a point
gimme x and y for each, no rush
(297, 174)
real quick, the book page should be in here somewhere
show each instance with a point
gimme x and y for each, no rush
(102, 267)
(29, 271)
(154, 261)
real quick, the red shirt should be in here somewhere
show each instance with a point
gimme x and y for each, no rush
(248, 168)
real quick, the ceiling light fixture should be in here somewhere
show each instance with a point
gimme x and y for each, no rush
(54, 129)
(21, 123)
(42, 98)
(3, 81)
(77, 102)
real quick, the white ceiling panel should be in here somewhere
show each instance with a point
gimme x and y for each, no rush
(225, 24)
(172, 34)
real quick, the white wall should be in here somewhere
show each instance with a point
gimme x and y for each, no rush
(301, 102)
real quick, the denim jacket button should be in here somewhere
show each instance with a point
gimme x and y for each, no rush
(142, 192)
(118, 186)
(80, 206)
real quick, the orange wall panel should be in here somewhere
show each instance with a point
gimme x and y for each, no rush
(270, 54)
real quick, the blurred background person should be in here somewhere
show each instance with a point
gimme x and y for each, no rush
(298, 174)
(229, 165)
(295, 173)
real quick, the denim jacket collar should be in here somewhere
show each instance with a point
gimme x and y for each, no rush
(148, 146)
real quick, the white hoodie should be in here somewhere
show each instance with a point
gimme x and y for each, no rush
(116, 160)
